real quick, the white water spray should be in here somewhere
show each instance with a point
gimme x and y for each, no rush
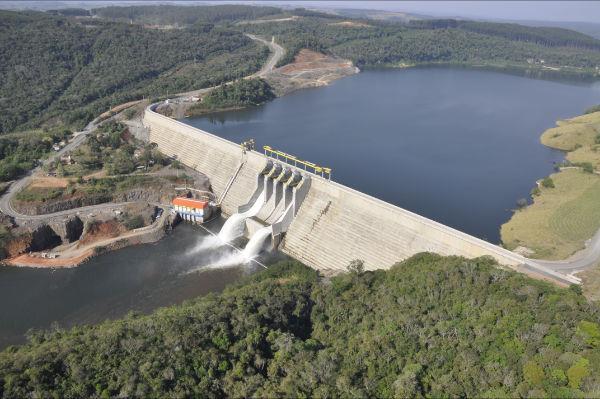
(234, 226)
(204, 244)
(257, 242)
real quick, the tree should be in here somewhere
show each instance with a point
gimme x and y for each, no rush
(356, 266)
(548, 182)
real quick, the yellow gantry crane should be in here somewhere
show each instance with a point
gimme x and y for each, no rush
(293, 160)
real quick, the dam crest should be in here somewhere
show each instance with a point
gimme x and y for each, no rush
(323, 224)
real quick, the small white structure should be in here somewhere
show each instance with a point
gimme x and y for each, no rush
(192, 210)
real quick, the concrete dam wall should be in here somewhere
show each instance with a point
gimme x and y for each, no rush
(335, 224)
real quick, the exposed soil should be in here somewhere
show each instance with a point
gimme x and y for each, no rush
(100, 230)
(309, 69)
(119, 108)
(352, 24)
(37, 261)
(49, 182)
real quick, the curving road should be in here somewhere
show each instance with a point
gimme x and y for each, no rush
(277, 53)
(581, 260)
(5, 201)
(79, 137)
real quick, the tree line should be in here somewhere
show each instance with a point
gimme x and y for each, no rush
(65, 71)
(431, 326)
(375, 43)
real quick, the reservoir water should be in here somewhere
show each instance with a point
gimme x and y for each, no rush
(458, 146)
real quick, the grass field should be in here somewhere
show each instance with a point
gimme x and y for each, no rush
(560, 220)
(579, 136)
(591, 283)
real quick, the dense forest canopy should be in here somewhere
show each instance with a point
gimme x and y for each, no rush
(185, 15)
(242, 93)
(430, 326)
(63, 68)
(67, 71)
(373, 43)
(546, 36)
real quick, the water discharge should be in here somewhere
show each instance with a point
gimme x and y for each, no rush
(234, 226)
(204, 244)
(257, 242)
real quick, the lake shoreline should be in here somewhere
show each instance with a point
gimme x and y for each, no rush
(563, 189)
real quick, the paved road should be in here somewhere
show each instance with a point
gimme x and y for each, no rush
(79, 137)
(584, 259)
(277, 53)
(5, 201)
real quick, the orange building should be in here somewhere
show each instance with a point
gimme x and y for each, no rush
(192, 210)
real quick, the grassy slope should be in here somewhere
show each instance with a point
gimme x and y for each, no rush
(561, 219)
(430, 326)
(577, 136)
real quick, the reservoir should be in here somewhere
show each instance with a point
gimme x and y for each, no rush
(458, 146)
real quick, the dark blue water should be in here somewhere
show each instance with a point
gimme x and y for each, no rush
(458, 146)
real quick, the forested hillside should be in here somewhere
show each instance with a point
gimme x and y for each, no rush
(431, 326)
(65, 70)
(184, 15)
(62, 70)
(373, 43)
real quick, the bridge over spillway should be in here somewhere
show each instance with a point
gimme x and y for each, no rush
(333, 224)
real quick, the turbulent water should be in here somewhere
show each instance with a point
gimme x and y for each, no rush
(184, 265)
(458, 146)
(235, 225)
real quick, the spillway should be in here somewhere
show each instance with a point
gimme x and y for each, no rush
(234, 226)
(335, 224)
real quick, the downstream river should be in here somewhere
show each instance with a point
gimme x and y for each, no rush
(141, 278)
(458, 146)
(455, 145)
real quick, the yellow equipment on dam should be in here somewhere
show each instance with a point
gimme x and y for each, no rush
(287, 158)
(331, 225)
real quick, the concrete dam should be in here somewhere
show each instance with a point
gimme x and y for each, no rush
(321, 223)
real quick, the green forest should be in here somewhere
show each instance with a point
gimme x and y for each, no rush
(371, 43)
(239, 94)
(431, 326)
(65, 71)
(184, 15)
(63, 68)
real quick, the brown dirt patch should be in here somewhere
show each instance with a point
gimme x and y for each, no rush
(100, 231)
(352, 24)
(307, 60)
(49, 182)
(18, 245)
(34, 261)
(97, 175)
(119, 108)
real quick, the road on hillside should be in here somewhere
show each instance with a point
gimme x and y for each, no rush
(581, 260)
(18, 185)
(79, 137)
(277, 53)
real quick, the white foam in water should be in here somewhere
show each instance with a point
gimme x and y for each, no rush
(205, 243)
(257, 242)
(234, 226)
